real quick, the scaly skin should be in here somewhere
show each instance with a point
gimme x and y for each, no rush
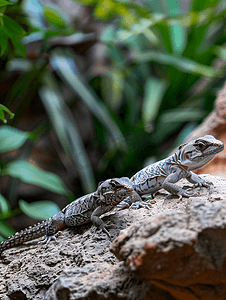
(82, 210)
(165, 173)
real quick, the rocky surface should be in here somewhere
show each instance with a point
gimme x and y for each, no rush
(174, 250)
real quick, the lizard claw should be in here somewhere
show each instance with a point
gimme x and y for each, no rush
(105, 231)
(185, 193)
(202, 183)
(47, 240)
(180, 197)
(140, 204)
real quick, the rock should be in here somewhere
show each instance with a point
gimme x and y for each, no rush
(174, 250)
(98, 281)
(180, 251)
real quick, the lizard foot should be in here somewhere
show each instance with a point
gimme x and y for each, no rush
(140, 204)
(185, 193)
(180, 194)
(47, 240)
(102, 227)
(202, 183)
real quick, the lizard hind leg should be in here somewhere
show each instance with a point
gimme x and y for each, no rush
(55, 223)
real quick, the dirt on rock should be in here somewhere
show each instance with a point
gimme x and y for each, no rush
(174, 250)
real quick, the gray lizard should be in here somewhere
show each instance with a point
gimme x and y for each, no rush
(82, 210)
(165, 173)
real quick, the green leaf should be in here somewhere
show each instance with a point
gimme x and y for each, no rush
(116, 54)
(104, 9)
(15, 32)
(33, 9)
(177, 32)
(3, 39)
(2, 11)
(154, 91)
(141, 10)
(13, 28)
(182, 63)
(29, 173)
(178, 36)
(198, 5)
(107, 35)
(56, 16)
(128, 17)
(4, 205)
(171, 120)
(187, 129)
(67, 69)
(181, 115)
(5, 229)
(19, 64)
(116, 86)
(67, 132)
(11, 138)
(164, 31)
(19, 46)
(2, 116)
(4, 108)
(220, 51)
(4, 3)
(39, 210)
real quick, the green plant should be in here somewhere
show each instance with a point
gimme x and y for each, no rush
(12, 139)
(157, 66)
(2, 115)
(9, 29)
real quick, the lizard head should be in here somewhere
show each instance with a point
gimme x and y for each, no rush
(115, 190)
(199, 152)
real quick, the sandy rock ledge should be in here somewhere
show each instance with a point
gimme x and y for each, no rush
(174, 250)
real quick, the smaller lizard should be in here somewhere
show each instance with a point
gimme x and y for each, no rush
(82, 210)
(165, 173)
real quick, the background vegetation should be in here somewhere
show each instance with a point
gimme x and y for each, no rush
(161, 64)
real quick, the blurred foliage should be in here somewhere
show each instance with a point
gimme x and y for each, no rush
(161, 82)
(2, 115)
(9, 29)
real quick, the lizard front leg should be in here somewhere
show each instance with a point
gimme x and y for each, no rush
(172, 188)
(55, 223)
(95, 218)
(198, 181)
(126, 203)
(134, 201)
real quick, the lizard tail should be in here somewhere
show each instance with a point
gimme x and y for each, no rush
(25, 235)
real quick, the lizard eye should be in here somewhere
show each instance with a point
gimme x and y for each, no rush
(114, 184)
(201, 146)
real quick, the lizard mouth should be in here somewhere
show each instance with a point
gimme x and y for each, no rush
(214, 150)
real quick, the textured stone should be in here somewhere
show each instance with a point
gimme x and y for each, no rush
(174, 250)
(180, 251)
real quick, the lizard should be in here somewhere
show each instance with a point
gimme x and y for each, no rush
(165, 173)
(82, 210)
